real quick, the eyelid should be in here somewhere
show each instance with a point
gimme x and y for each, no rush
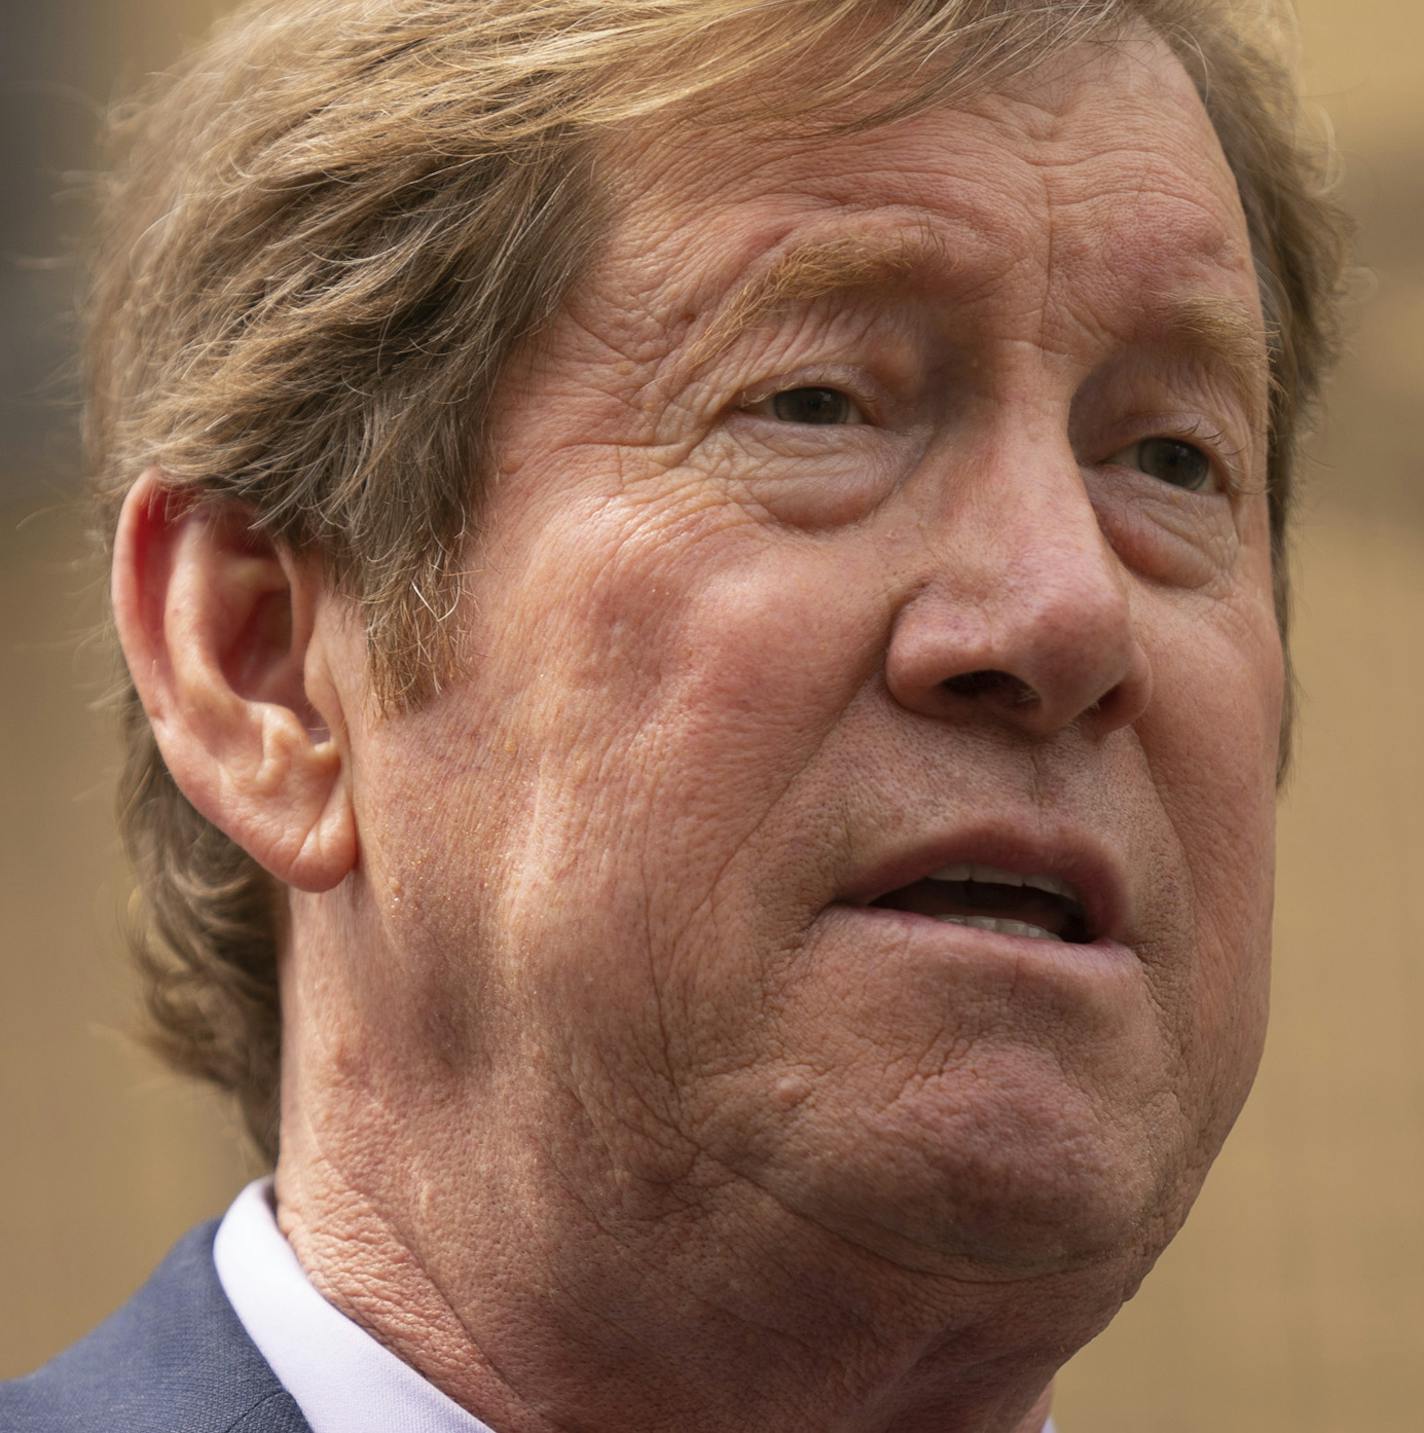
(1197, 433)
(850, 382)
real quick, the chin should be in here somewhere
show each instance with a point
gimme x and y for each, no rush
(1007, 1180)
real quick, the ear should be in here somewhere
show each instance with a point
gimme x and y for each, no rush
(218, 625)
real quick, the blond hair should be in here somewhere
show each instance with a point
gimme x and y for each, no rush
(331, 227)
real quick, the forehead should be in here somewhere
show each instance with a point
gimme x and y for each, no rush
(1094, 180)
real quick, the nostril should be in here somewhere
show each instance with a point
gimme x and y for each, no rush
(988, 682)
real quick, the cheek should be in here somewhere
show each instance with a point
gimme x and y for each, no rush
(693, 676)
(649, 683)
(1213, 732)
(1218, 699)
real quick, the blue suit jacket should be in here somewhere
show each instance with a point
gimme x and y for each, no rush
(174, 1359)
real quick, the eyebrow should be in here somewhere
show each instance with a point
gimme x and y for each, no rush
(1224, 333)
(814, 270)
(1218, 331)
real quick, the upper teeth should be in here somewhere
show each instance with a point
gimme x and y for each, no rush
(968, 871)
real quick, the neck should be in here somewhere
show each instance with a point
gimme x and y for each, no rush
(516, 1305)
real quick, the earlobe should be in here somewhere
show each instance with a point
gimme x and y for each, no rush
(219, 628)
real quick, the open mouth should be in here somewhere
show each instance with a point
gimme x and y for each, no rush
(1034, 906)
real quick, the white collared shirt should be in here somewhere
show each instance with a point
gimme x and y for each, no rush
(338, 1375)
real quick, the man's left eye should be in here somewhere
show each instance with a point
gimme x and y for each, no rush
(819, 406)
(1170, 460)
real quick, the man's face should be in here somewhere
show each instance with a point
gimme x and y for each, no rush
(881, 507)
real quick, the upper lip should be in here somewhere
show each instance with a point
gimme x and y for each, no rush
(1074, 857)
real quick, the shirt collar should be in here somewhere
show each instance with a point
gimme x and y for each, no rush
(342, 1379)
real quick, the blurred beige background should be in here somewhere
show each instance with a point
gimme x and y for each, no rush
(1294, 1300)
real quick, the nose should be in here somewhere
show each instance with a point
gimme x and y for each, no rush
(1023, 616)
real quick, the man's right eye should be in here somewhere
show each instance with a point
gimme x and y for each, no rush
(812, 405)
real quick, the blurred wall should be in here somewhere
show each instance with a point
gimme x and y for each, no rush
(106, 1157)
(1292, 1301)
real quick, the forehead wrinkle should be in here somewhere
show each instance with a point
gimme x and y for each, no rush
(815, 269)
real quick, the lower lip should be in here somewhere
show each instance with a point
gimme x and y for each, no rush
(930, 934)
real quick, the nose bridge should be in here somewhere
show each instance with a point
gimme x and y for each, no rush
(1036, 531)
(1015, 518)
(1023, 610)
